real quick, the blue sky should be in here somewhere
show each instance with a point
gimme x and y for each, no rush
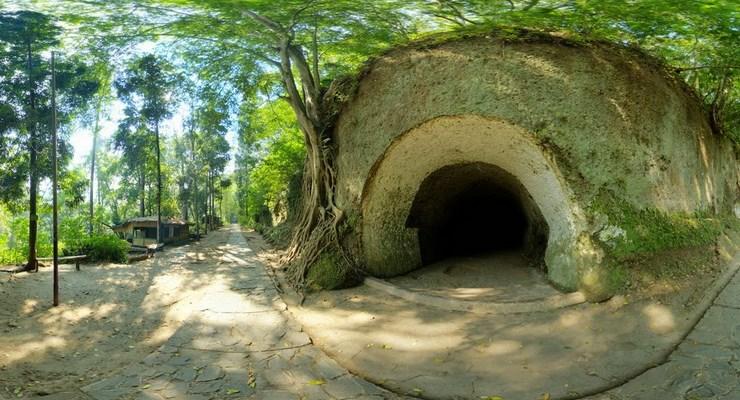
(81, 139)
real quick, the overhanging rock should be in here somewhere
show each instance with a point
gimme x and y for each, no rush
(567, 123)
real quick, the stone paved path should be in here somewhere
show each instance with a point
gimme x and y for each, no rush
(706, 365)
(239, 342)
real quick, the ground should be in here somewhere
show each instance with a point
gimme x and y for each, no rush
(209, 321)
(196, 322)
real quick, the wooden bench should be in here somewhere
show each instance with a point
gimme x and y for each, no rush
(76, 259)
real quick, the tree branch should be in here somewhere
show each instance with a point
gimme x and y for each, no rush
(682, 69)
(268, 23)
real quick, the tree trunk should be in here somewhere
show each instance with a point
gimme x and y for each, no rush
(142, 191)
(159, 187)
(33, 263)
(205, 209)
(55, 214)
(92, 168)
(208, 201)
(195, 184)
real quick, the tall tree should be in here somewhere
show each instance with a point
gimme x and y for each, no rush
(146, 88)
(213, 149)
(28, 34)
(24, 95)
(103, 72)
(291, 40)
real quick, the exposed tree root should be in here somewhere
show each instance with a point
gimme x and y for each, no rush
(318, 227)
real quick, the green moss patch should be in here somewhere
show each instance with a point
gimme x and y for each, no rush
(329, 272)
(629, 231)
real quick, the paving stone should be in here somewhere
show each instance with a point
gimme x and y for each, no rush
(185, 374)
(278, 377)
(731, 395)
(697, 350)
(178, 361)
(328, 368)
(167, 369)
(205, 387)
(344, 387)
(156, 358)
(147, 395)
(111, 394)
(720, 326)
(131, 381)
(701, 392)
(104, 384)
(157, 384)
(314, 392)
(64, 396)
(176, 390)
(210, 373)
(730, 296)
(720, 374)
(374, 390)
(236, 390)
(276, 395)
(168, 349)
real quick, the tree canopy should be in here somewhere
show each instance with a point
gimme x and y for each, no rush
(247, 78)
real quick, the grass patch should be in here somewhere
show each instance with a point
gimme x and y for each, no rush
(629, 231)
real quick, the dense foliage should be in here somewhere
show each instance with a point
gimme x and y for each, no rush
(242, 83)
(100, 248)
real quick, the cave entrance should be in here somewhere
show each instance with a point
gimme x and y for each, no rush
(476, 209)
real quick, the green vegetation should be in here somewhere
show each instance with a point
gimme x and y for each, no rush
(644, 246)
(100, 248)
(630, 231)
(268, 179)
(246, 80)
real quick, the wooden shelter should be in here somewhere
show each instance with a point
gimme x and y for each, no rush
(142, 231)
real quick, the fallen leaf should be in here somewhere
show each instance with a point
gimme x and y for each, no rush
(316, 382)
(232, 391)
(252, 381)
(545, 396)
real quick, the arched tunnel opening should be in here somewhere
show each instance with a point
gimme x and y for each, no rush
(476, 209)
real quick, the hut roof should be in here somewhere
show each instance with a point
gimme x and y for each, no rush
(151, 219)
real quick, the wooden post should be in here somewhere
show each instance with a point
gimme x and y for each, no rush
(55, 215)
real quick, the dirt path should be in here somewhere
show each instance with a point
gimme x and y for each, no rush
(111, 315)
(203, 322)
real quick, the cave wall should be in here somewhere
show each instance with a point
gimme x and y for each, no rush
(571, 121)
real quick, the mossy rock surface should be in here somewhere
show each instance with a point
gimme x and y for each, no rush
(626, 231)
(330, 272)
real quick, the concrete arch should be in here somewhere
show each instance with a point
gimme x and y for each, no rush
(390, 247)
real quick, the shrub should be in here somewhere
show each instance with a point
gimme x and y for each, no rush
(100, 248)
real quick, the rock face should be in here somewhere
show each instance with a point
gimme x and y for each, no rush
(567, 123)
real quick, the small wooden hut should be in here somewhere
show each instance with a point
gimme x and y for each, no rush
(142, 231)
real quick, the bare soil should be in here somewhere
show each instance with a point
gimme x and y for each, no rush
(495, 277)
(110, 316)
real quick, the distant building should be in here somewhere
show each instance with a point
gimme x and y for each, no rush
(142, 231)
